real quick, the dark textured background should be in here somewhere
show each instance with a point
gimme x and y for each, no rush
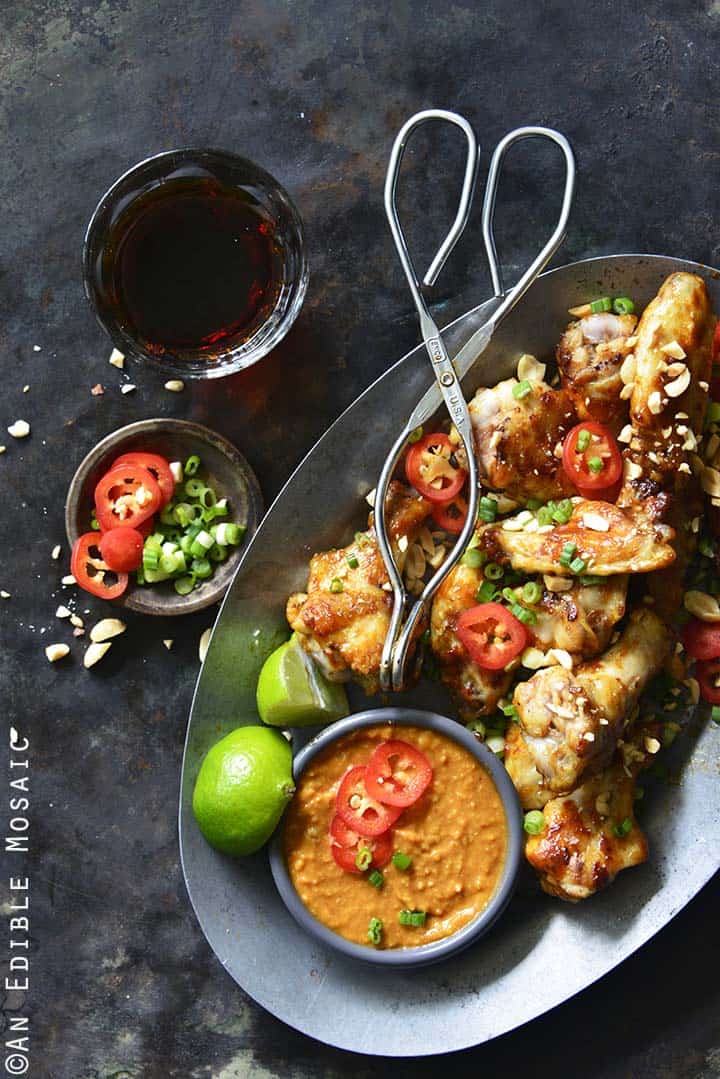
(124, 983)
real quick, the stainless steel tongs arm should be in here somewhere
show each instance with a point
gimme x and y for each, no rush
(398, 640)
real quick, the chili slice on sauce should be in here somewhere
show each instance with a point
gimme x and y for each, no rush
(429, 468)
(346, 843)
(397, 773)
(361, 813)
(492, 635)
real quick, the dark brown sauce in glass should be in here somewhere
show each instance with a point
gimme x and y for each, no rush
(194, 266)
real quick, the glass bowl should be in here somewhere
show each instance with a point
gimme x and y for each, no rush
(130, 196)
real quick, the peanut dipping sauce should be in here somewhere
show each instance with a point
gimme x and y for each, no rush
(456, 835)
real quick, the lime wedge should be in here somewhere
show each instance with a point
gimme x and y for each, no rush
(292, 692)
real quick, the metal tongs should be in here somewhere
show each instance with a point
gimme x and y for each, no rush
(405, 619)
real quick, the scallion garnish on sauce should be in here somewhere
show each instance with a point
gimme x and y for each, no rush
(415, 918)
(401, 861)
(375, 928)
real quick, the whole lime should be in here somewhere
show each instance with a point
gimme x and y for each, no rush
(244, 783)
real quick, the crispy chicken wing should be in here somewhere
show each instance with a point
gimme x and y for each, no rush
(516, 439)
(589, 357)
(579, 620)
(571, 720)
(608, 540)
(591, 834)
(344, 630)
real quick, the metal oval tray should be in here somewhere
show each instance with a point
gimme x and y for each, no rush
(491, 988)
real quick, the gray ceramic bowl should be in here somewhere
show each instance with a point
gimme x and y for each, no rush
(228, 472)
(442, 949)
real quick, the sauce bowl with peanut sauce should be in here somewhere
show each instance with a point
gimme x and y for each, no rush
(463, 839)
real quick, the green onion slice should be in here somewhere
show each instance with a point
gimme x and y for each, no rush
(363, 858)
(522, 389)
(401, 861)
(534, 822)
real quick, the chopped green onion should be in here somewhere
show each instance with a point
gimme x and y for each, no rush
(94, 523)
(167, 515)
(545, 514)
(488, 509)
(151, 558)
(623, 305)
(191, 465)
(167, 563)
(528, 618)
(623, 828)
(376, 878)
(639, 794)
(336, 585)
(533, 504)
(194, 488)
(595, 464)
(562, 513)
(415, 435)
(184, 585)
(532, 592)
(217, 553)
(496, 744)
(363, 858)
(578, 565)
(202, 568)
(567, 554)
(207, 498)
(375, 928)
(509, 710)
(415, 918)
(583, 440)
(401, 861)
(591, 579)
(603, 304)
(473, 558)
(715, 713)
(352, 561)
(139, 575)
(485, 592)
(509, 595)
(670, 733)
(521, 390)
(493, 572)
(361, 537)
(713, 412)
(534, 822)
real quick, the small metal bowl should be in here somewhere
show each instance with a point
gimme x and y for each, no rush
(227, 471)
(441, 949)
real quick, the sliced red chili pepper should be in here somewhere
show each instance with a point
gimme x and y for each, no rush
(359, 811)
(431, 472)
(707, 672)
(116, 500)
(91, 572)
(492, 635)
(451, 515)
(345, 844)
(122, 549)
(157, 466)
(397, 773)
(702, 639)
(600, 447)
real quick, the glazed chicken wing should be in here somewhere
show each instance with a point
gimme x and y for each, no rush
(608, 541)
(589, 357)
(530, 784)
(579, 620)
(571, 720)
(343, 616)
(591, 834)
(515, 439)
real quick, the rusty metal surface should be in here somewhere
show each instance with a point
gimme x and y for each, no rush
(125, 983)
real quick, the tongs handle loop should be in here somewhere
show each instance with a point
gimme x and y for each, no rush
(464, 206)
(488, 213)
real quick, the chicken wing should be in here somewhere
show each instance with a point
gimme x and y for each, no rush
(516, 439)
(589, 357)
(607, 540)
(343, 616)
(591, 834)
(579, 621)
(527, 780)
(571, 720)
